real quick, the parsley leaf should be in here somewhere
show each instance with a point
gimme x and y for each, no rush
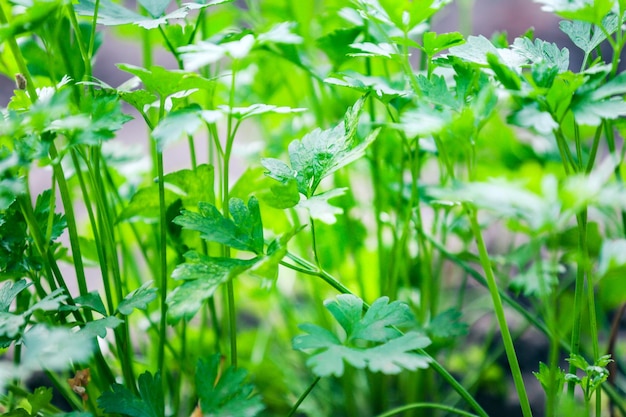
(149, 404)
(243, 232)
(137, 299)
(392, 355)
(321, 152)
(202, 275)
(112, 14)
(224, 393)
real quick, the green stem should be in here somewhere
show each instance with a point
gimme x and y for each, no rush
(415, 406)
(162, 250)
(230, 290)
(499, 311)
(84, 53)
(19, 60)
(71, 221)
(303, 397)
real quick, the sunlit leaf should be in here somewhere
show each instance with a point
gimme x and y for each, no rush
(244, 231)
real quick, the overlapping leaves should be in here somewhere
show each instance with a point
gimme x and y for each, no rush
(371, 340)
(112, 14)
(202, 274)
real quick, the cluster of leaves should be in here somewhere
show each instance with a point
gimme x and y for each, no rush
(221, 393)
(441, 112)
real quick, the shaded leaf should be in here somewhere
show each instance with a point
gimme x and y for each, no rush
(190, 186)
(447, 325)
(202, 275)
(149, 404)
(224, 392)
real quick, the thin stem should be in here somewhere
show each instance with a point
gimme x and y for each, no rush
(71, 220)
(303, 397)
(314, 244)
(499, 311)
(162, 250)
(435, 406)
(230, 290)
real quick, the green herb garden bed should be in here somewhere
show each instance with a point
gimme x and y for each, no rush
(421, 206)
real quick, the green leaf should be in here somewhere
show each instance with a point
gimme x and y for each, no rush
(137, 299)
(54, 348)
(224, 393)
(587, 36)
(549, 379)
(434, 43)
(336, 44)
(155, 7)
(267, 266)
(98, 328)
(164, 82)
(50, 302)
(447, 325)
(205, 53)
(9, 291)
(319, 208)
(39, 399)
(423, 120)
(379, 86)
(202, 275)
(435, 90)
(539, 279)
(190, 186)
(92, 301)
(29, 19)
(591, 113)
(321, 152)
(369, 49)
(586, 10)
(10, 327)
(10, 184)
(377, 325)
(242, 113)
(112, 14)
(206, 268)
(149, 404)
(542, 52)
(243, 232)
(182, 121)
(476, 48)
(612, 257)
(531, 117)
